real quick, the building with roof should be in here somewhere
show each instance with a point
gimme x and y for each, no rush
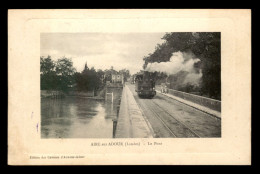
(117, 78)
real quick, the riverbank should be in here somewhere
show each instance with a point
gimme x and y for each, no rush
(52, 94)
(81, 94)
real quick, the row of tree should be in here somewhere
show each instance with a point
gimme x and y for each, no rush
(204, 45)
(61, 75)
(56, 75)
(89, 80)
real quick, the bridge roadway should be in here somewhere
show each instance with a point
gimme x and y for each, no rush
(167, 118)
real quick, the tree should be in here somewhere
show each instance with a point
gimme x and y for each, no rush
(48, 74)
(126, 73)
(65, 71)
(89, 79)
(205, 46)
(56, 75)
(46, 65)
(64, 67)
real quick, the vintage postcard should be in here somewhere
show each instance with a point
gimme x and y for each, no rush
(129, 87)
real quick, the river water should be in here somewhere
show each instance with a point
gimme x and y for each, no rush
(74, 117)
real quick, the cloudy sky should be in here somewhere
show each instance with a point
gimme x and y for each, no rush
(101, 50)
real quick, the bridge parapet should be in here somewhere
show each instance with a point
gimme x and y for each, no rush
(203, 101)
(131, 122)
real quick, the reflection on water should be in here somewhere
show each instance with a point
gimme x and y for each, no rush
(74, 117)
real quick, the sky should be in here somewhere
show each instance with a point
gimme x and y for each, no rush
(101, 50)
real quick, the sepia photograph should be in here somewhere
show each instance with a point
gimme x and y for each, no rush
(152, 85)
(129, 87)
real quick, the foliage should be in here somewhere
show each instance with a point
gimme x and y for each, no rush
(205, 46)
(56, 75)
(61, 75)
(47, 65)
(89, 79)
(126, 73)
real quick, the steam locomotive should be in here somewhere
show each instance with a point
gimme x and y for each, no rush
(145, 84)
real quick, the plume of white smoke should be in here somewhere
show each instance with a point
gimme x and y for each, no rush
(193, 78)
(180, 61)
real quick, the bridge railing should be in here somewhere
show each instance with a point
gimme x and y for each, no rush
(203, 101)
